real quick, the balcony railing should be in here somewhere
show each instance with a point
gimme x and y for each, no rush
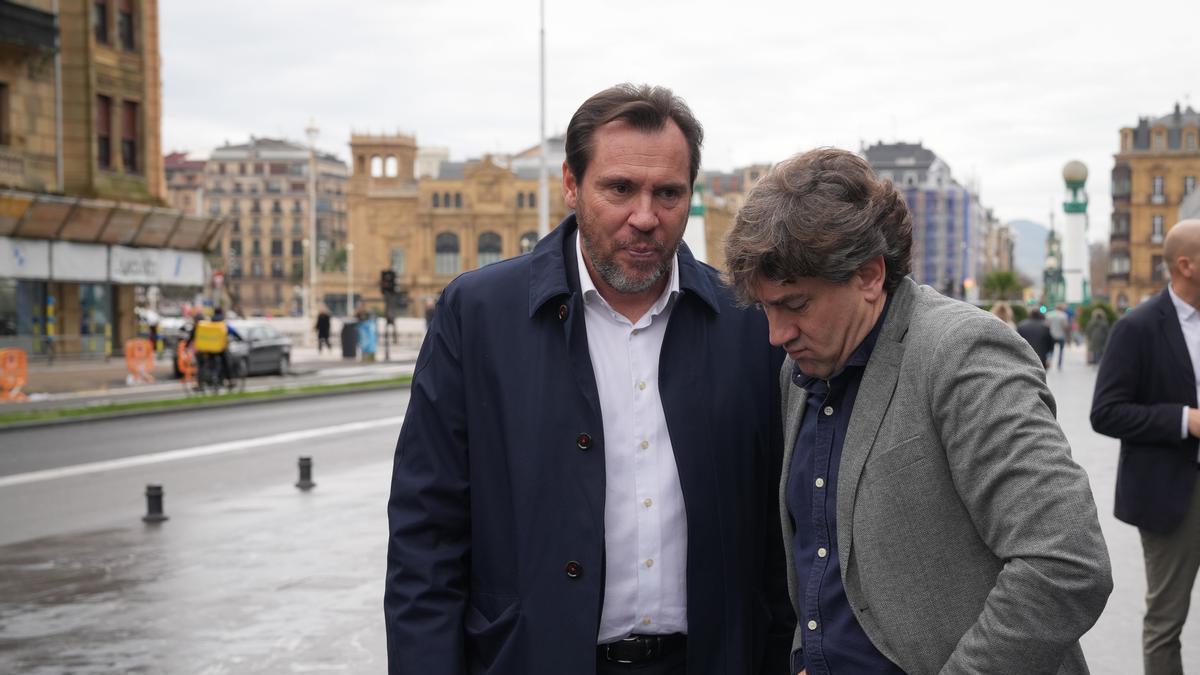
(1119, 236)
(1158, 199)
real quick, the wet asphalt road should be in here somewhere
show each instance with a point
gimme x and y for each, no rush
(251, 576)
(248, 575)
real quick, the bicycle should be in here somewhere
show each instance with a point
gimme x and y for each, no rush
(211, 378)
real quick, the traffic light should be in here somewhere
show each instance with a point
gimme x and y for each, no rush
(387, 282)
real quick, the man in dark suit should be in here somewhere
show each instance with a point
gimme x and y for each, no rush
(584, 479)
(1037, 334)
(1146, 395)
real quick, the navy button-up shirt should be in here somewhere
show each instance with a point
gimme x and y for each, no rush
(834, 642)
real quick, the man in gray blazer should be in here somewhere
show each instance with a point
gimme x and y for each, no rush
(933, 517)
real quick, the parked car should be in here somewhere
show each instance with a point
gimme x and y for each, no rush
(261, 347)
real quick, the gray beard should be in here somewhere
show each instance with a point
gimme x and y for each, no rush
(615, 276)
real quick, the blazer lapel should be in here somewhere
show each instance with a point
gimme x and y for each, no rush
(1172, 332)
(874, 397)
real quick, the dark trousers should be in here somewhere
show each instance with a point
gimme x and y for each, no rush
(323, 340)
(1172, 560)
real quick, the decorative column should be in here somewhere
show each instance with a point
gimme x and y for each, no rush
(1074, 237)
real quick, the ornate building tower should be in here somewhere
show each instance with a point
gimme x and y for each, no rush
(1074, 238)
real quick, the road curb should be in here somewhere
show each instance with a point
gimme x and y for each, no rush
(283, 395)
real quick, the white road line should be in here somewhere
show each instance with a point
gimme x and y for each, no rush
(197, 451)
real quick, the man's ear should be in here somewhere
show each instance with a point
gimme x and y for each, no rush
(870, 278)
(570, 187)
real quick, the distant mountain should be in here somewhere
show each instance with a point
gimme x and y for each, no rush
(1030, 250)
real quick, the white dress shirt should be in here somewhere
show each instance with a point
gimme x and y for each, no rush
(1189, 321)
(645, 524)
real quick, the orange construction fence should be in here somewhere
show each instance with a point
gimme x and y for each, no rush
(14, 372)
(139, 359)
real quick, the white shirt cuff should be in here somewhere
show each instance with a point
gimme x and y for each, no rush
(1185, 430)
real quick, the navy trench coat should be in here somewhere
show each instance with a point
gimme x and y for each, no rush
(496, 549)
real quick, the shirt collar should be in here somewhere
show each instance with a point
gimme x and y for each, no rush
(592, 294)
(1185, 311)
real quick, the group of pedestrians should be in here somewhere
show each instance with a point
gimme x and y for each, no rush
(616, 460)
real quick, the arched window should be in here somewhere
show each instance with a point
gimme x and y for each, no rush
(391, 168)
(446, 199)
(532, 200)
(528, 241)
(520, 200)
(436, 200)
(489, 248)
(458, 200)
(376, 166)
(446, 259)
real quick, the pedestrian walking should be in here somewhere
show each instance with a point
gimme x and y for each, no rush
(1037, 334)
(1059, 323)
(915, 431)
(1004, 312)
(323, 330)
(1097, 335)
(585, 479)
(1146, 396)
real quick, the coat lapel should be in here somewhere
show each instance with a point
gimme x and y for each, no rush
(874, 397)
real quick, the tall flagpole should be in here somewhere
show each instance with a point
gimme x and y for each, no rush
(543, 174)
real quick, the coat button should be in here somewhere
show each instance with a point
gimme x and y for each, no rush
(563, 312)
(584, 441)
(574, 570)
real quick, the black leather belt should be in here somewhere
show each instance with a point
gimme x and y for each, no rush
(641, 648)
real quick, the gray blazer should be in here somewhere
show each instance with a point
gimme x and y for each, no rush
(967, 536)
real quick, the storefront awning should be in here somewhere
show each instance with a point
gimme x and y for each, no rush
(31, 215)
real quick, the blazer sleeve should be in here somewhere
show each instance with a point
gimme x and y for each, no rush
(428, 514)
(1029, 501)
(1118, 409)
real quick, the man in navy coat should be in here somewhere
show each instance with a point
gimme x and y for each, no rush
(584, 481)
(1146, 393)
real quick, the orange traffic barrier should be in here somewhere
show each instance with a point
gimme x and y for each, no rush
(139, 359)
(14, 372)
(185, 359)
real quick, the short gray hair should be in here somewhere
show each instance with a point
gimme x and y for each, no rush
(824, 214)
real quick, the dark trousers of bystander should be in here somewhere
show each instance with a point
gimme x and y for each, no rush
(1172, 560)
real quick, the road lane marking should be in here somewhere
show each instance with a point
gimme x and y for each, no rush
(197, 451)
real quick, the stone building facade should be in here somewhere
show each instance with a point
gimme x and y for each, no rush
(1155, 170)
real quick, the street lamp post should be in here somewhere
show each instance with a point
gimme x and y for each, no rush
(312, 131)
(349, 278)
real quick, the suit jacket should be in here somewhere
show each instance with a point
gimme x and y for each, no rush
(967, 536)
(496, 557)
(1145, 380)
(1037, 334)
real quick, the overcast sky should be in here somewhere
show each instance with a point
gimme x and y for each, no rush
(1005, 92)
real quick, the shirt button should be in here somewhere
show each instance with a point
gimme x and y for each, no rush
(641, 385)
(650, 563)
(646, 621)
(812, 625)
(820, 482)
(635, 332)
(828, 410)
(821, 552)
(644, 445)
(647, 502)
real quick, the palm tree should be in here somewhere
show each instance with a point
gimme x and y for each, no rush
(1002, 285)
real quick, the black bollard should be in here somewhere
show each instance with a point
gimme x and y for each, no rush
(306, 482)
(154, 504)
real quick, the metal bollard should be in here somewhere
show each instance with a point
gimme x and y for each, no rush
(154, 504)
(306, 482)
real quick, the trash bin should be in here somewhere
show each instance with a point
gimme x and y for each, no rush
(350, 339)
